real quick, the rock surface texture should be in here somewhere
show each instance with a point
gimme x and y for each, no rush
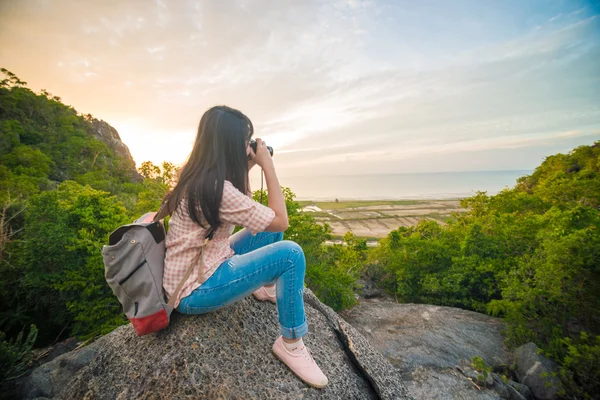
(222, 354)
(535, 371)
(427, 343)
(109, 135)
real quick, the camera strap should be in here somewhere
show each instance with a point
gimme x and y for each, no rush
(261, 184)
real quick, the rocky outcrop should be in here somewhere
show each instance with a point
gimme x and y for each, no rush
(53, 377)
(427, 343)
(222, 354)
(369, 290)
(535, 371)
(109, 135)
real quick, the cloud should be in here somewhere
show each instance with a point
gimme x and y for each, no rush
(349, 80)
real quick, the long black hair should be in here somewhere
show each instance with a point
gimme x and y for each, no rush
(219, 154)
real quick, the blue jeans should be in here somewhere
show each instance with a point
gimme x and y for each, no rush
(259, 260)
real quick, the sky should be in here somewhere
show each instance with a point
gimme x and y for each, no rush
(336, 87)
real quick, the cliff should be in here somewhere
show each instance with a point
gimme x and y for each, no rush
(109, 135)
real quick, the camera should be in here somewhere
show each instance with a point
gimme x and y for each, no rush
(253, 145)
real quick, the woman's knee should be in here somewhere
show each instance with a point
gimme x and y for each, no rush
(293, 251)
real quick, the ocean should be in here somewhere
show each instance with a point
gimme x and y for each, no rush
(431, 185)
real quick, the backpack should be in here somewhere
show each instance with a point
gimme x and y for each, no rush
(133, 267)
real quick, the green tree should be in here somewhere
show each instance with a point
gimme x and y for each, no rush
(63, 268)
(16, 354)
(530, 254)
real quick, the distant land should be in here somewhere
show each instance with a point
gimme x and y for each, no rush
(376, 219)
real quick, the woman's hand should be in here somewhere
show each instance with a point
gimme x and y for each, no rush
(262, 156)
(251, 163)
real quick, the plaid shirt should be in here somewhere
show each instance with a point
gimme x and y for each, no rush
(185, 239)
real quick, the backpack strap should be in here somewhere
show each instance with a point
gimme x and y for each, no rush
(162, 212)
(180, 286)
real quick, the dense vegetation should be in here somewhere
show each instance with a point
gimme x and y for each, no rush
(530, 254)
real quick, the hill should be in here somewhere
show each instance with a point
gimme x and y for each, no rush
(44, 142)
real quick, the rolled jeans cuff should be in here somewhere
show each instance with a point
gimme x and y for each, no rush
(294, 333)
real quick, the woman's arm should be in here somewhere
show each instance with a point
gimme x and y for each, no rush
(251, 163)
(276, 200)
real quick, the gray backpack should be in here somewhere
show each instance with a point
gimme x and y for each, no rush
(133, 267)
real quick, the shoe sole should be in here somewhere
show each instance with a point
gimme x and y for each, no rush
(308, 383)
(274, 302)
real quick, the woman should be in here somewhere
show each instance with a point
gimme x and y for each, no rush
(211, 197)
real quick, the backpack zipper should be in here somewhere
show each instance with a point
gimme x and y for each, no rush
(122, 281)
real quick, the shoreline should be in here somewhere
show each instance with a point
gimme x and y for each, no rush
(395, 187)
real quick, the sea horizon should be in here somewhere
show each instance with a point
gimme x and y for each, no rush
(446, 185)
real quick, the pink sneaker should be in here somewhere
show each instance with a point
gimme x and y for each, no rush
(301, 363)
(262, 294)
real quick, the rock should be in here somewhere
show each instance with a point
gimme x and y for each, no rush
(518, 391)
(10, 389)
(367, 359)
(51, 378)
(109, 135)
(433, 339)
(530, 370)
(369, 290)
(412, 335)
(227, 354)
(432, 384)
(490, 380)
(500, 387)
(47, 354)
(464, 366)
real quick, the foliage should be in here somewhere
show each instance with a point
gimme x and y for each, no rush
(165, 175)
(480, 365)
(43, 141)
(16, 354)
(64, 271)
(580, 366)
(51, 232)
(331, 271)
(157, 183)
(530, 254)
(333, 278)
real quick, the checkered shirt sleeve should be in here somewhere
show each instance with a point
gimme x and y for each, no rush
(239, 209)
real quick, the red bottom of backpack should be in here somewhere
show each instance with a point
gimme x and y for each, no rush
(151, 323)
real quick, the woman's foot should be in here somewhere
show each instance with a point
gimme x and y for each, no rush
(266, 293)
(301, 363)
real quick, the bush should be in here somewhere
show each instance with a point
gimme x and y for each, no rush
(15, 355)
(530, 254)
(580, 366)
